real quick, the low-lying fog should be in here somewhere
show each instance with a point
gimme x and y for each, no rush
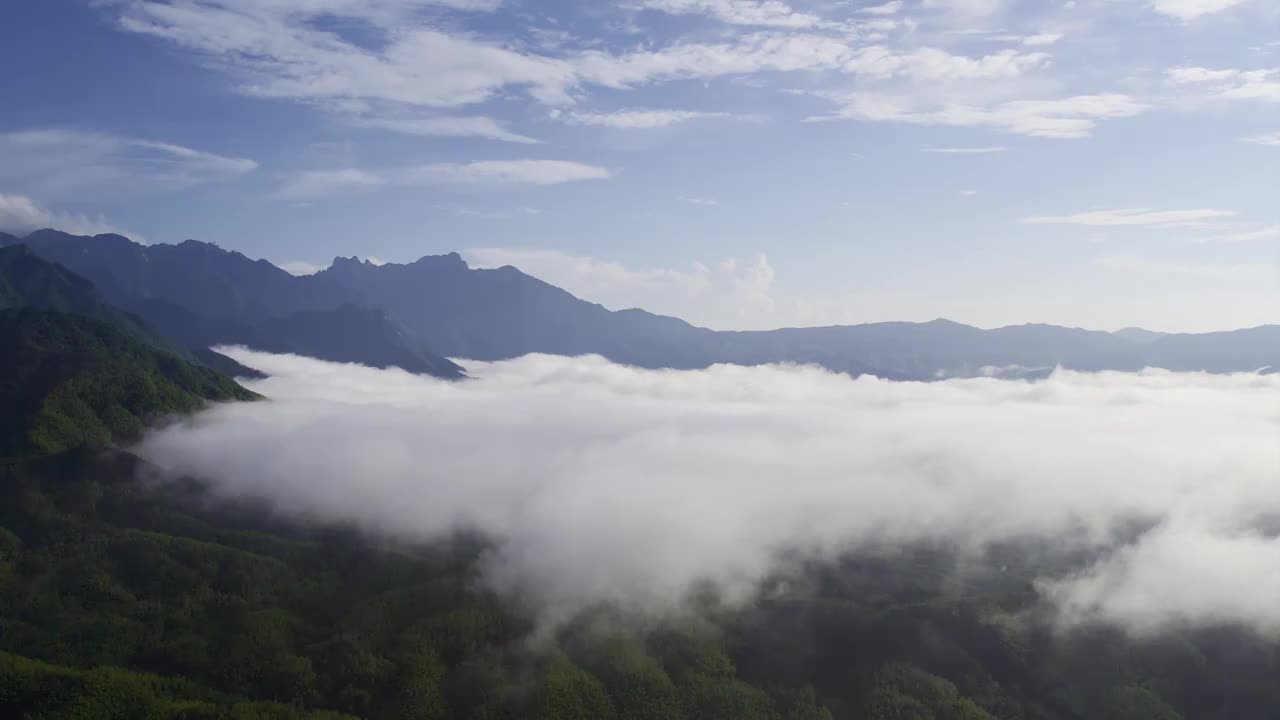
(604, 482)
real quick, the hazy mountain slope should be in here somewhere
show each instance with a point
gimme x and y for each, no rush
(198, 276)
(353, 334)
(439, 302)
(225, 365)
(70, 381)
(199, 295)
(7, 239)
(342, 334)
(504, 313)
(191, 329)
(1138, 335)
(1235, 351)
(26, 280)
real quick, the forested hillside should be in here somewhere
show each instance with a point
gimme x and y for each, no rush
(71, 382)
(124, 600)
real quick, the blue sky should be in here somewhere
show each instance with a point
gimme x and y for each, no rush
(740, 163)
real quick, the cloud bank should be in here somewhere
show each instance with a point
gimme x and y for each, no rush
(609, 483)
(20, 215)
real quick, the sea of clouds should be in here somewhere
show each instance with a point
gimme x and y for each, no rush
(609, 483)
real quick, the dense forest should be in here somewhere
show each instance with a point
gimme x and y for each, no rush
(122, 598)
(70, 382)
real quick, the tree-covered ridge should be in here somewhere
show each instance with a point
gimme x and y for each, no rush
(197, 295)
(117, 600)
(121, 600)
(27, 280)
(72, 382)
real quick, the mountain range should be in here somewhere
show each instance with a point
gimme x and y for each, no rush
(416, 315)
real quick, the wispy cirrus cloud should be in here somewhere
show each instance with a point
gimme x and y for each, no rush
(278, 49)
(57, 160)
(317, 183)
(1193, 9)
(890, 8)
(1042, 39)
(274, 49)
(480, 174)
(1269, 139)
(769, 13)
(1144, 217)
(1270, 232)
(636, 119)
(703, 201)
(504, 172)
(1062, 118)
(1229, 83)
(445, 126)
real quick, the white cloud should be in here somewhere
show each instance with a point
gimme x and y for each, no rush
(934, 64)
(1199, 75)
(1042, 39)
(890, 8)
(729, 293)
(491, 173)
(1133, 587)
(752, 53)
(1193, 9)
(966, 150)
(20, 215)
(1270, 139)
(969, 8)
(441, 126)
(1064, 118)
(1230, 84)
(1128, 217)
(504, 172)
(717, 474)
(1263, 233)
(276, 50)
(315, 183)
(706, 202)
(768, 13)
(740, 294)
(59, 161)
(636, 119)
(300, 267)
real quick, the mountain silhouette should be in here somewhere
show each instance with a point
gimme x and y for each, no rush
(200, 295)
(389, 315)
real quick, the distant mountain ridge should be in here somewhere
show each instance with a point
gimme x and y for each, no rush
(29, 281)
(441, 303)
(201, 295)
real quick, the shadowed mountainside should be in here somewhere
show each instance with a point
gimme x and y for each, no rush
(441, 303)
(199, 295)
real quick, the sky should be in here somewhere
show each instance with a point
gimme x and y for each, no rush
(743, 164)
